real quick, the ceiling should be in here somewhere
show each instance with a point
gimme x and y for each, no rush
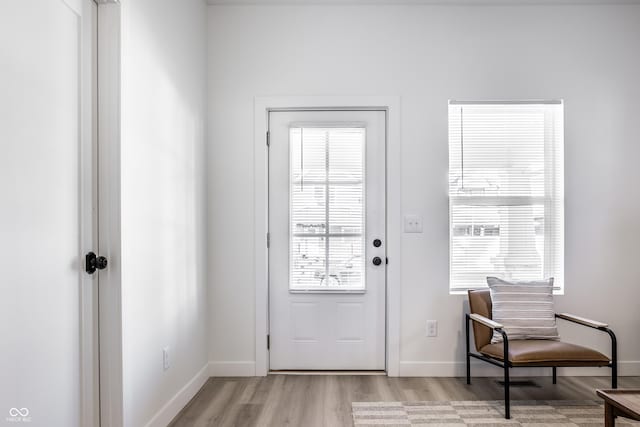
(416, 2)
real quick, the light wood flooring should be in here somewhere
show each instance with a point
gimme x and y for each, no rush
(325, 400)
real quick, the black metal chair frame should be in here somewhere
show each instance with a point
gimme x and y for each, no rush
(506, 364)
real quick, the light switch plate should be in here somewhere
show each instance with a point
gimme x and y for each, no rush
(412, 224)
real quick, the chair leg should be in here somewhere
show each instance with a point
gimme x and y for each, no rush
(507, 402)
(555, 375)
(468, 350)
(614, 358)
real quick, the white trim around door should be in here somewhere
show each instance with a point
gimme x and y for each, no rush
(109, 245)
(390, 104)
(89, 351)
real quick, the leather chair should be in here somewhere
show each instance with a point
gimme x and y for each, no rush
(529, 353)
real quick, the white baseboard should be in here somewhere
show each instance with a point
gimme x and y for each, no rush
(442, 369)
(482, 369)
(168, 412)
(232, 369)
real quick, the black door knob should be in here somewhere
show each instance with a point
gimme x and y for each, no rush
(101, 263)
(377, 243)
(94, 262)
(377, 261)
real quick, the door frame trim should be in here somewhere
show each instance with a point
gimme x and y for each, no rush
(89, 335)
(389, 104)
(109, 211)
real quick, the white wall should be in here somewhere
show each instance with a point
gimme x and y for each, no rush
(586, 55)
(163, 208)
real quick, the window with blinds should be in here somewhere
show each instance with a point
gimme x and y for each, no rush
(327, 222)
(506, 192)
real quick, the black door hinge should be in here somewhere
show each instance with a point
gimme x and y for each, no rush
(268, 342)
(386, 260)
(268, 240)
(268, 138)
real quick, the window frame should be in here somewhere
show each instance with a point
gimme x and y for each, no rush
(552, 200)
(327, 182)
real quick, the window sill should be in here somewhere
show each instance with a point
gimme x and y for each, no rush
(556, 292)
(327, 291)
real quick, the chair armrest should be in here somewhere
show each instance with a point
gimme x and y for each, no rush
(485, 321)
(582, 321)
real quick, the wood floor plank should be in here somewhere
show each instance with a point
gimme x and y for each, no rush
(325, 400)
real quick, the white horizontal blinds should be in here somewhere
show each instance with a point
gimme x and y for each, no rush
(506, 192)
(327, 208)
(346, 180)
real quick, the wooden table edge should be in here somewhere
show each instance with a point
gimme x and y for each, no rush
(609, 397)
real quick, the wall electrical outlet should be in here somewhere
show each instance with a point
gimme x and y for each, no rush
(166, 364)
(432, 328)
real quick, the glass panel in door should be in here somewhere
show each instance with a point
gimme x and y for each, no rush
(327, 204)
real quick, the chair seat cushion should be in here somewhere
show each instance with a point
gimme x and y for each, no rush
(546, 353)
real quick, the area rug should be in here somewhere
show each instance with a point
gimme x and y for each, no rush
(483, 413)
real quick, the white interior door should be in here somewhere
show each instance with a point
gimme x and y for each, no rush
(45, 137)
(327, 240)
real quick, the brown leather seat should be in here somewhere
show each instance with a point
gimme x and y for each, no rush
(528, 352)
(546, 353)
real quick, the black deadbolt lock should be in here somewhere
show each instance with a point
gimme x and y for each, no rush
(94, 262)
(377, 243)
(377, 261)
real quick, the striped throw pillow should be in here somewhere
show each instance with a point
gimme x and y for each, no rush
(525, 309)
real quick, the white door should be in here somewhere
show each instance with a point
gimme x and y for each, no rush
(327, 240)
(45, 133)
